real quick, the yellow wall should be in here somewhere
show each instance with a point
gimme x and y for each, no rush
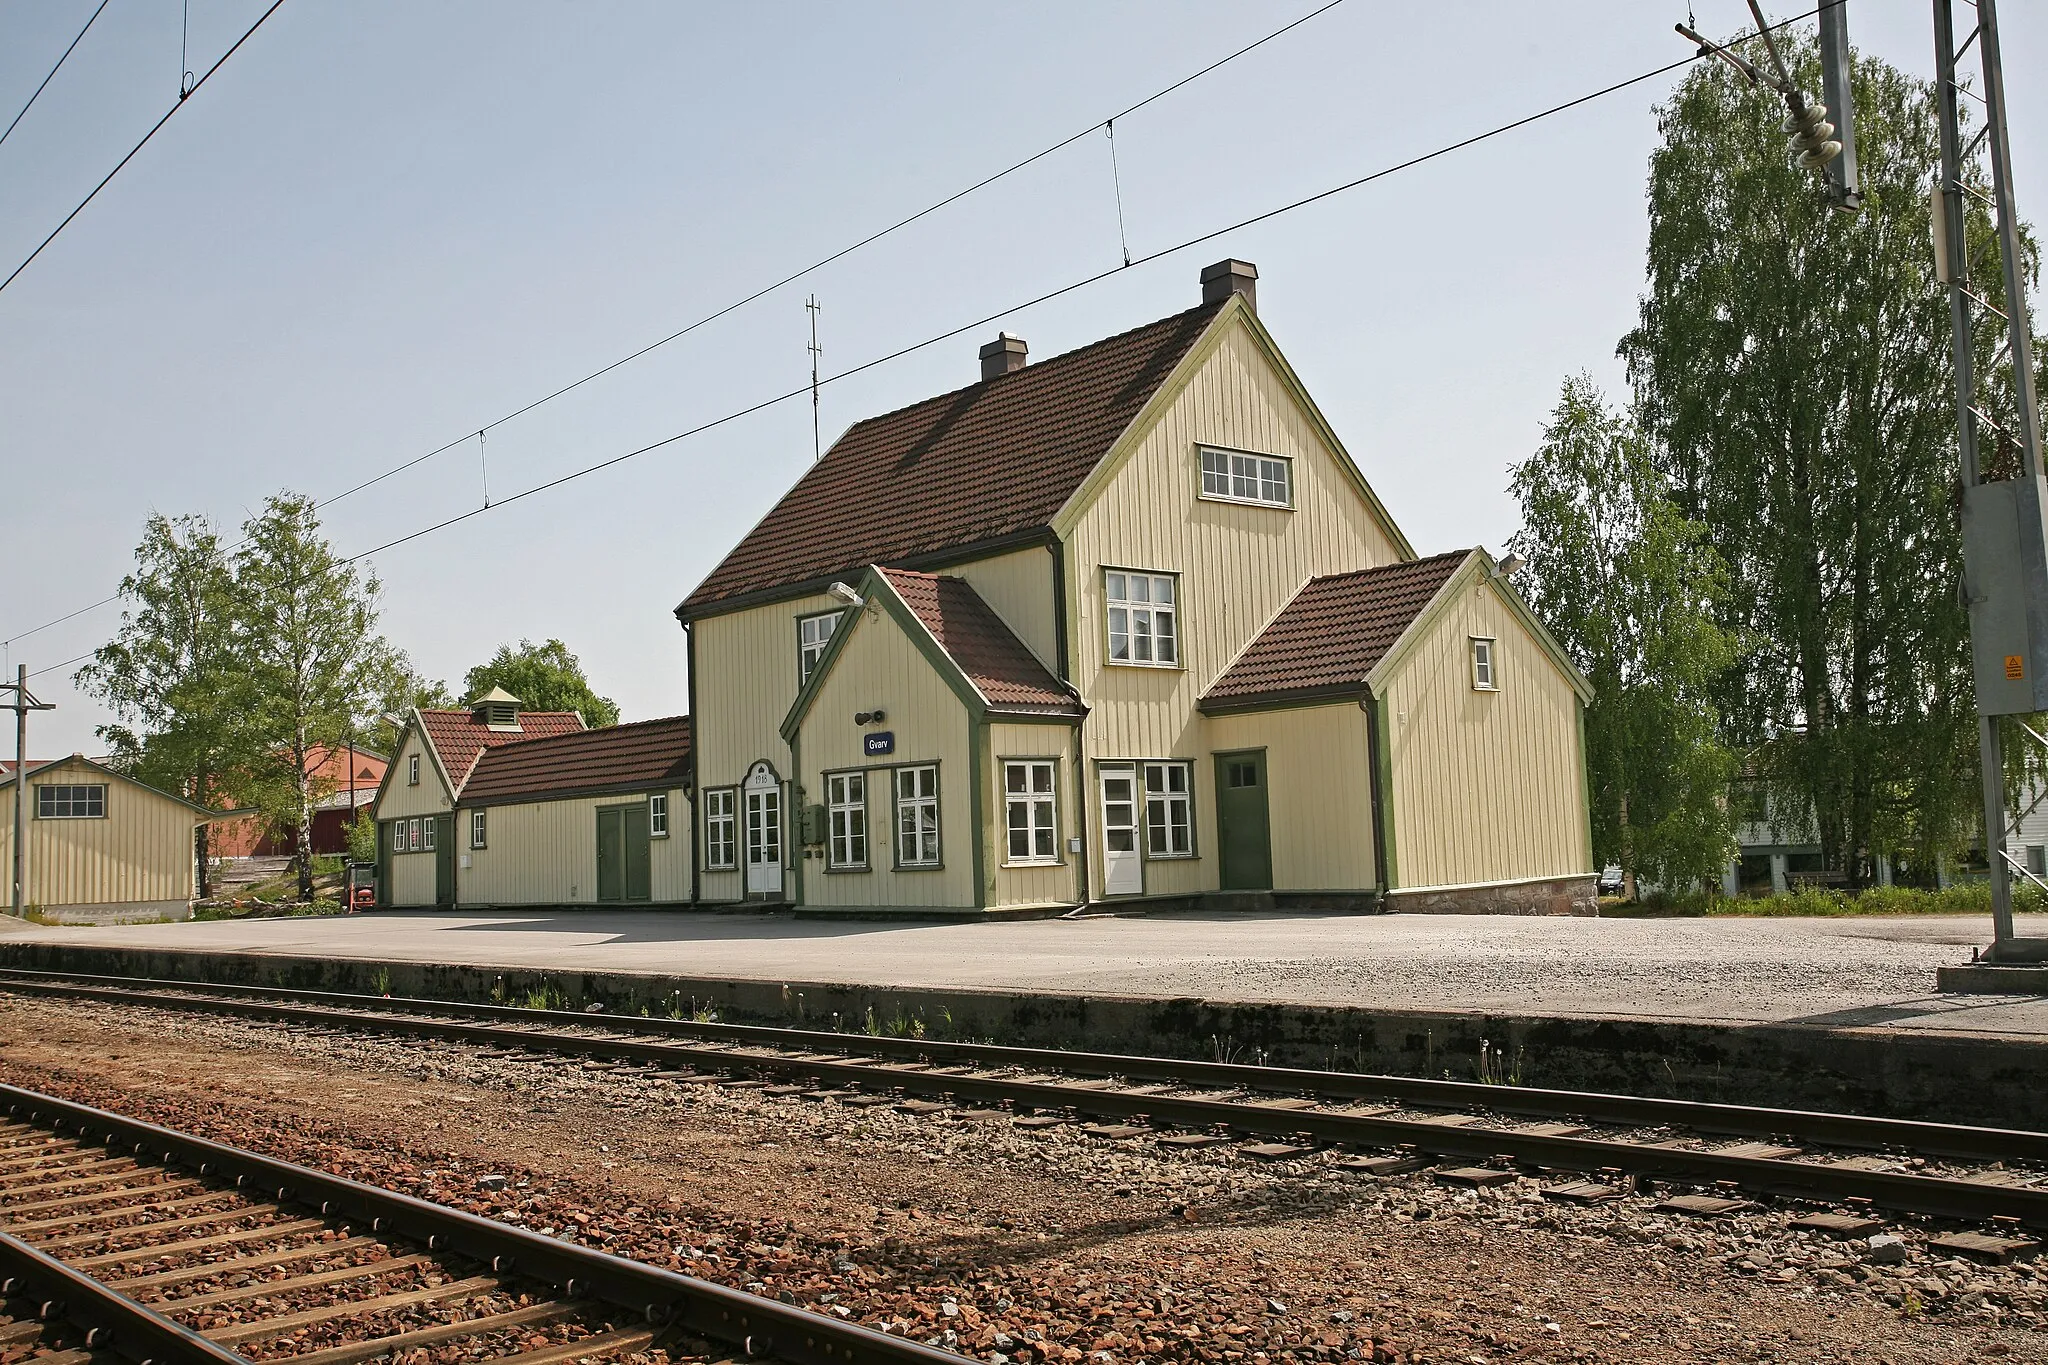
(1019, 587)
(745, 684)
(1318, 790)
(141, 851)
(1057, 884)
(1487, 786)
(412, 873)
(400, 798)
(545, 853)
(880, 668)
(1238, 565)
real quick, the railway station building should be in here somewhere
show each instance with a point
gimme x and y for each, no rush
(1126, 625)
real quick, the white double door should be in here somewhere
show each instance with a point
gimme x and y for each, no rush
(761, 801)
(1123, 874)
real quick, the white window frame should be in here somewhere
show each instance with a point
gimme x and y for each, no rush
(49, 807)
(1135, 611)
(1169, 810)
(412, 770)
(1485, 664)
(920, 809)
(846, 821)
(721, 829)
(657, 816)
(1038, 805)
(427, 823)
(810, 644)
(479, 829)
(1245, 476)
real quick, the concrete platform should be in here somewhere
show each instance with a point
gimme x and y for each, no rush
(1835, 1014)
(1876, 973)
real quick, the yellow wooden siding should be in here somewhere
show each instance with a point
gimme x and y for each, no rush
(1030, 884)
(545, 853)
(401, 798)
(1319, 793)
(880, 668)
(1487, 786)
(1238, 565)
(141, 851)
(1020, 588)
(746, 682)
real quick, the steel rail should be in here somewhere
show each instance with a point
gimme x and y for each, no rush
(109, 1319)
(666, 1298)
(1821, 1128)
(1938, 1196)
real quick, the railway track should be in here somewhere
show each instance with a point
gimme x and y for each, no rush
(1994, 1178)
(122, 1240)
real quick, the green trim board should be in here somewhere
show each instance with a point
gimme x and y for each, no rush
(978, 740)
(1383, 790)
(1585, 788)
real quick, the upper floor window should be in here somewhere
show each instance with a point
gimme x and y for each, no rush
(86, 801)
(1485, 674)
(412, 770)
(1142, 612)
(1234, 476)
(813, 633)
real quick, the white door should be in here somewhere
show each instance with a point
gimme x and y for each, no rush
(1122, 874)
(764, 831)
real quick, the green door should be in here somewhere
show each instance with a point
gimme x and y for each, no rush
(444, 860)
(384, 864)
(1242, 831)
(625, 859)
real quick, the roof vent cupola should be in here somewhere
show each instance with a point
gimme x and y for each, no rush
(497, 709)
(1225, 278)
(999, 357)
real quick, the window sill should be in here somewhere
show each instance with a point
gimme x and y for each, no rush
(1139, 663)
(835, 871)
(918, 867)
(1245, 502)
(1477, 688)
(1172, 857)
(1032, 862)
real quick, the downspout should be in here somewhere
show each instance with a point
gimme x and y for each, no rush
(696, 743)
(1064, 664)
(1375, 747)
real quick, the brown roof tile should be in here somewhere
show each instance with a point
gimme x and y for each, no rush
(644, 755)
(1333, 632)
(992, 460)
(999, 664)
(458, 736)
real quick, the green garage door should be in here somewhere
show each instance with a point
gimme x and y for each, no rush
(625, 865)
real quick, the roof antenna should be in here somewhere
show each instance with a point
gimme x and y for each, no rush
(812, 306)
(1117, 183)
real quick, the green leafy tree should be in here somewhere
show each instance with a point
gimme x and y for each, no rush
(1631, 592)
(165, 673)
(546, 677)
(1791, 366)
(313, 668)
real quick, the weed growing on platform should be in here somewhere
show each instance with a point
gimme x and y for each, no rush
(1972, 898)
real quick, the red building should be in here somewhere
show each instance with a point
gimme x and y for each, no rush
(354, 775)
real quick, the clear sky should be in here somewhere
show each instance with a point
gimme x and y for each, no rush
(384, 225)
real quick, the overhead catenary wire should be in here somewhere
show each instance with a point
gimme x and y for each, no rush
(155, 128)
(1084, 282)
(762, 292)
(54, 70)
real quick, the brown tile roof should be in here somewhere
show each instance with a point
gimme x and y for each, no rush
(1007, 673)
(648, 754)
(1332, 634)
(458, 736)
(994, 459)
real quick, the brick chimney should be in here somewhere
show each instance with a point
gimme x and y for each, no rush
(1225, 278)
(999, 357)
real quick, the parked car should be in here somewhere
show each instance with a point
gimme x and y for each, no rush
(1610, 881)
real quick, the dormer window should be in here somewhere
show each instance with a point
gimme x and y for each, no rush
(1240, 476)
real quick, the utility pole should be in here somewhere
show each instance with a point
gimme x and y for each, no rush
(2005, 542)
(812, 305)
(23, 703)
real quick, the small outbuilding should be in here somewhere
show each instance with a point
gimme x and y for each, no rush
(103, 847)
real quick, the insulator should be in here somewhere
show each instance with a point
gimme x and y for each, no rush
(1806, 118)
(1816, 157)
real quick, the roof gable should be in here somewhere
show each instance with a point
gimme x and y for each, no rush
(37, 767)
(1328, 639)
(643, 755)
(996, 459)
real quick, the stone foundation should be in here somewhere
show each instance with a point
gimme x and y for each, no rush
(116, 912)
(1545, 896)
